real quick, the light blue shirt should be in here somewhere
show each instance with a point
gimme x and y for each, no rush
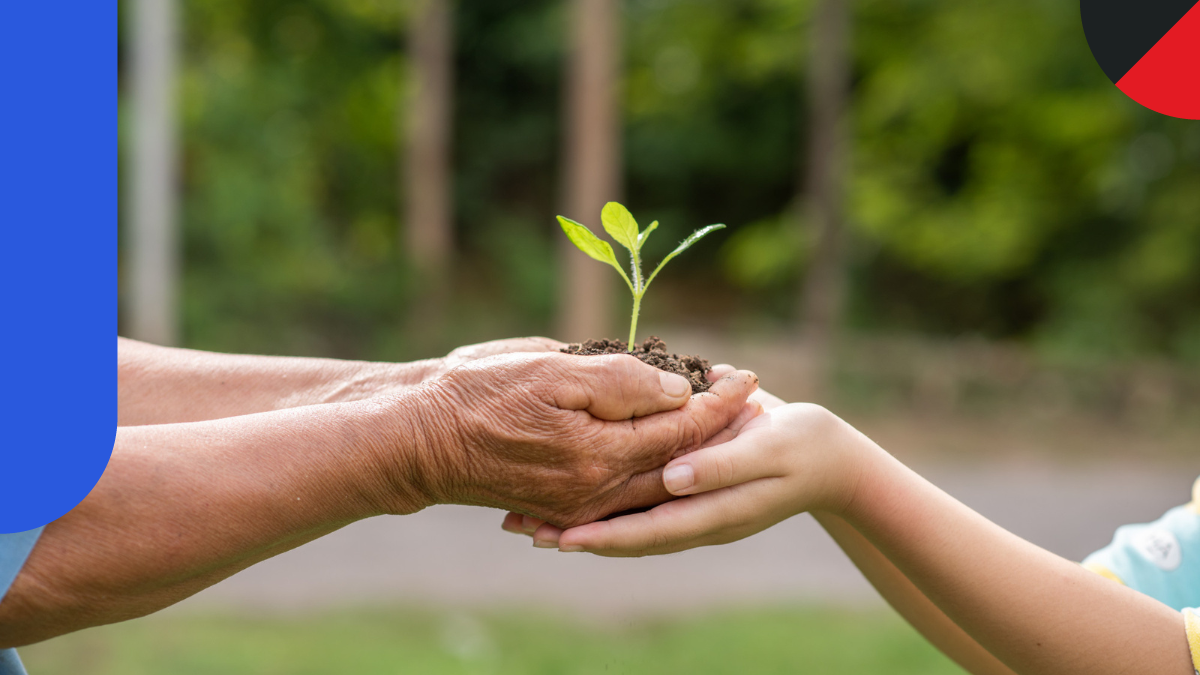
(1162, 560)
(14, 549)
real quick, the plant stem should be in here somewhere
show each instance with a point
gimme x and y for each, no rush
(637, 306)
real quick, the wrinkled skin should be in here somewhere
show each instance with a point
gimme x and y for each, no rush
(567, 439)
(166, 385)
(546, 534)
(468, 353)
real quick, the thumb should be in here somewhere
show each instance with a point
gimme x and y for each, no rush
(619, 387)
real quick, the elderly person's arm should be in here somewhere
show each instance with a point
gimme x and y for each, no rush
(164, 385)
(181, 506)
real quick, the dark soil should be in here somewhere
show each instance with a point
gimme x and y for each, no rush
(654, 352)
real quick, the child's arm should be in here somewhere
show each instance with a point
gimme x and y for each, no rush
(893, 586)
(1036, 612)
(909, 602)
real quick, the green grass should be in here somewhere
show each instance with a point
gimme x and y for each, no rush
(809, 641)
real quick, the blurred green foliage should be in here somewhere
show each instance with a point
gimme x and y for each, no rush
(289, 115)
(764, 642)
(1000, 186)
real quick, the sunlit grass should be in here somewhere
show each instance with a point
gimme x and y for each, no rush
(810, 641)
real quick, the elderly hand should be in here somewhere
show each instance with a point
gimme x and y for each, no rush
(367, 379)
(568, 439)
(482, 350)
(546, 535)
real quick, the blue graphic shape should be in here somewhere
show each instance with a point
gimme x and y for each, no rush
(58, 210)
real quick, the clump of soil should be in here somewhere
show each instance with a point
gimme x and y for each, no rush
(654, 352)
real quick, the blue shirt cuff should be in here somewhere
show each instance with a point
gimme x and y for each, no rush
(14, 549)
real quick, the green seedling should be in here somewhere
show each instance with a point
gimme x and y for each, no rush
(620, 225)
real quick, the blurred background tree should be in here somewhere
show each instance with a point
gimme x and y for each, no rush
(998, 186)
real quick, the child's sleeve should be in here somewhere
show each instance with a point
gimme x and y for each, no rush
(14, 549)
(1193, 632)
(1162, 560)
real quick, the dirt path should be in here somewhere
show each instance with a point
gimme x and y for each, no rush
(458, 556)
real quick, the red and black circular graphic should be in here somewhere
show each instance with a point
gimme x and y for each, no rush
(1150, 49)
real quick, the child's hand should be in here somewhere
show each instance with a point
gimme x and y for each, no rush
(796, 458)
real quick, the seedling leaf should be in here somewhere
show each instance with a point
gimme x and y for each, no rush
(620, 225)
(646, 234)
(685, 245)
(592, 245)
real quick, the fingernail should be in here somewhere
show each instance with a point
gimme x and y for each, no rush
(542, 543)
(527, 525)
(674, 385)
(570, 548)
(679, 477)
(718, 371)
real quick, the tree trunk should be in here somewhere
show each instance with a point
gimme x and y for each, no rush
(823, 295)
(593, 152)
(428, 213)
(153, 240)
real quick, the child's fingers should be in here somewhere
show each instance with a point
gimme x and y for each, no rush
(546, 536)
(518, 523)
(699, 520)
(749, 411)
(512, 523)
(739, 460)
